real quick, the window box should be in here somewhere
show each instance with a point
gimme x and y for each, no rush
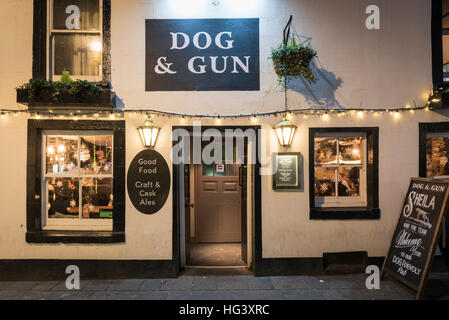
(51, 97)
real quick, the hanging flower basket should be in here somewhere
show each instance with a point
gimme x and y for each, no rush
(293, 60)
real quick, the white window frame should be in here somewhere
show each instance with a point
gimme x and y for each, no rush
(79, 224)
(337, 201)
(51, 44)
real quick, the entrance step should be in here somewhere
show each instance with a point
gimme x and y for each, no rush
(345, 262)
(216, 271)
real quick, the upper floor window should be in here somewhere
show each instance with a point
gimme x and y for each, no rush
(75, 39)
(445, 40)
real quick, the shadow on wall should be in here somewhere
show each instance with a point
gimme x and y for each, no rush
(322, 92)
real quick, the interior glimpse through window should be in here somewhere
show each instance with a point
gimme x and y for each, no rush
(445, 35)
(437, 154)
(76, 39)
(339, 167)
(78, 177)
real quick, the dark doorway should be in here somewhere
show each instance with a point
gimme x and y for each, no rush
(216, 221)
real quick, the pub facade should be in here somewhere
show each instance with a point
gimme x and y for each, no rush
(142, 138)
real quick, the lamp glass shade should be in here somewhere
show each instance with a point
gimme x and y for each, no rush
(149, 133)
(285, 130)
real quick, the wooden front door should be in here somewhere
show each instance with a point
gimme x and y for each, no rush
(219, 198)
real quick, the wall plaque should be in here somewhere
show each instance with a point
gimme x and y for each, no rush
(416, 236)
(202, 54)
(286, 171)
(148, 181)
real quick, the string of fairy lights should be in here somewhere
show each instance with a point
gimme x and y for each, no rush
(325, 113)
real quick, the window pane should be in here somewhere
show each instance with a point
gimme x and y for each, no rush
(445, 13)
(96, 155)
(79, 54)
(446, 57)
(65, 15)
(63, 198)
(349, 182)
(325, 182)
(325, 150)
(97, 198)
(350, 149)
(208, 170)
(61, 154)
(437, 157)
(232, 170)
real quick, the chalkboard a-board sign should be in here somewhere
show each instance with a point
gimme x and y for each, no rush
(148, 181)
(286, 171)
(418, 229)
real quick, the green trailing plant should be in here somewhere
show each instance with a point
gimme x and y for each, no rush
(293, 60)
(57, 89)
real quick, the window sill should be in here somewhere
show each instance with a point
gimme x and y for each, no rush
(344, 213)
(75, 237)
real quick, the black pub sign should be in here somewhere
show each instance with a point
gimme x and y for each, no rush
(202, 55)
(148, 181)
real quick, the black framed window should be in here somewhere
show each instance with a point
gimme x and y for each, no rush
(434, 163)
(75, 181)
(440, 42)
(434, 150)
(343, 173)
(73, 36)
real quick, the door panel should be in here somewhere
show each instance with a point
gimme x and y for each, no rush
(244, 224)
(218, 208)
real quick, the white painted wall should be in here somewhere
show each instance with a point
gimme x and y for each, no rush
(389, 67)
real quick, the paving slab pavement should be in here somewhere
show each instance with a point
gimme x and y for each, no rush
(241, 287)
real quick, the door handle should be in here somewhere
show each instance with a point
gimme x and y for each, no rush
(191, 205)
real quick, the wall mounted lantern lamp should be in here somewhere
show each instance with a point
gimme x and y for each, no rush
(285, 130)
(149, 133)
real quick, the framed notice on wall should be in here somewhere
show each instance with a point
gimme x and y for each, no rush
(286, 175)
(417, 232)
